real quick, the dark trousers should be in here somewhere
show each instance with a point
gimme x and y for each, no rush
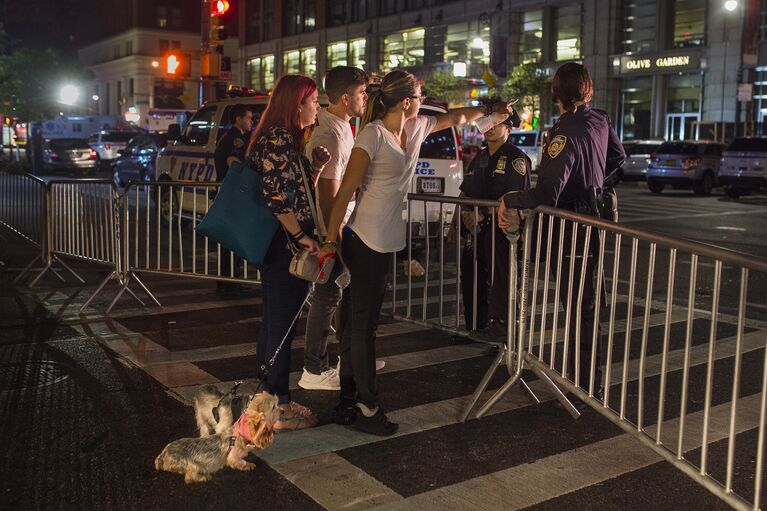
(283, 295)
(587, 303)
(361, 307)
(226, 264)
(492, 300)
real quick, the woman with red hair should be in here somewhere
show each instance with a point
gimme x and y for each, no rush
(276, 150)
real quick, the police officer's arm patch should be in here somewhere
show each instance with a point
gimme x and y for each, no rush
(520, 166)
(556, 145)
(238, 142)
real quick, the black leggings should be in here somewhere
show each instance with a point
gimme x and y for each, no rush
(361, 307)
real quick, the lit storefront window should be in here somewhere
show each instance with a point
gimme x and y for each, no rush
(357, 53)
(568, 21)
(636, 103)
(309, 62)
(683, 106)
(291, 63)
(337, 54)
(639, 26)
(268, 64)
(689, 23)
(467, 47)
(532, 36)
(260, 73)
(403, 49)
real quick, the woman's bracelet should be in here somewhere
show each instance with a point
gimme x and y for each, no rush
(298, 236)
(329, 243)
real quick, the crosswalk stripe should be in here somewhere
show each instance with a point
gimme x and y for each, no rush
(328, 438)
(547, 478)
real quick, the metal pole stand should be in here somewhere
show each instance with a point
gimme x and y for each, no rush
(47, 267)
(124, 283)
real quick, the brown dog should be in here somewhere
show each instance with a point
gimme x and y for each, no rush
(199, 458)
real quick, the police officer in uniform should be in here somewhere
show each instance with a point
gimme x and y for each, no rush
(581, 150)
(499, 167)
(230, 148)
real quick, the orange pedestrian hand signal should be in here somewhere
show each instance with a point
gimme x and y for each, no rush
(172, 63)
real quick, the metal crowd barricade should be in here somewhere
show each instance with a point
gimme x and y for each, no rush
(686, 393)
(84, 224)
(436, 299)
(23, 212)
(161, 236)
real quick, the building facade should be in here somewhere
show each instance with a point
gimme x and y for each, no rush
(662, 68)
(127, 62)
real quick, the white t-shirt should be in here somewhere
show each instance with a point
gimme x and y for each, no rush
(377, 219)
(335, 135)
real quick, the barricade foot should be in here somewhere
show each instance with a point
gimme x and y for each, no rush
(109, 277)
(25, 270)
(561, 397)
(40, 275)
(497, 396)
(70, 270)
(483, 383)
(146, 289)
(130, 292)
(529, 391)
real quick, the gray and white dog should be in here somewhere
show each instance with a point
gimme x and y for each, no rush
(199, 458)
(215, 411)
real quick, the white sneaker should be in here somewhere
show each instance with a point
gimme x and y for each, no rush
(327, 380)
(380, 364)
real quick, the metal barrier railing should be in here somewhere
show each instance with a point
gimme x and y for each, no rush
(664, 385)
(161, 236)
(22, 211)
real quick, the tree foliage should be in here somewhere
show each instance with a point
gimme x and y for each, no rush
(443, 85)
(528, 83)
(30, 79)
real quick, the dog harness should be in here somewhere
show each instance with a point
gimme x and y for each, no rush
(239, 429)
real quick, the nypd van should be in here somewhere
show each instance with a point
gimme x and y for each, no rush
(189, 157)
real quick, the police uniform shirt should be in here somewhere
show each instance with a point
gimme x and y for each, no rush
(233, 143)
(489, 176)
(581, 149)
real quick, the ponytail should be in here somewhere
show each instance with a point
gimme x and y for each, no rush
(395, 86)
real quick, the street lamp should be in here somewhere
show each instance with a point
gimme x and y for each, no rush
(731, 5)
(69, 94)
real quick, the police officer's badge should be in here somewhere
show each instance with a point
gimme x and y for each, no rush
(484, 159)
(500, 167)
(556, 145)
(238, 142)
(519, 166)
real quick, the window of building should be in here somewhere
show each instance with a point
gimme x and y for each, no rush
(357, 53)
(268, 15)
(164, 46)
(116, 52)
(130, 87)
(467, 44)
(175, 45)
(531, 40)
(253, 21)
(176, 17)
(388, 7)
(309, 62)
(268, 65)
(636, 104)
(338, 54)
(336, 14)
(361, 10)
(129, 48)
(763, 21)
(162, 16)
(568, 21)
(403, 49)
(291, 62)
(639, 32)
(689, 23)
(299, 16)
(253, 71)
(684, 93)
(119, 91)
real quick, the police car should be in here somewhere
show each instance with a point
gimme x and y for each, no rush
(189, 157)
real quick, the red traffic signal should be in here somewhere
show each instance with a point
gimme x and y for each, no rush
(220, 7)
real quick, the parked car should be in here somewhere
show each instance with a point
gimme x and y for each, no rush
(69, 153)
(137, 160)
(638, 153)
(108, 143)
(743, 168)
(530, 143)
(685, 164)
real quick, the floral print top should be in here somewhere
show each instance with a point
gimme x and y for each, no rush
(280, 163)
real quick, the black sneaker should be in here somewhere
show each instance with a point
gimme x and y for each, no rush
(378, 424)
(345, 413)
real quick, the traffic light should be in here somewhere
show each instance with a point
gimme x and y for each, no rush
(178, 64)
(217, 20)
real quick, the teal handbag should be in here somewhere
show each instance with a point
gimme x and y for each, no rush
(238, 219)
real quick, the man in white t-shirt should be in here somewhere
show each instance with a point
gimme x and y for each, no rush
(345, 87)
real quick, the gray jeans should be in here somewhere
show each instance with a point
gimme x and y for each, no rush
(324, 304)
